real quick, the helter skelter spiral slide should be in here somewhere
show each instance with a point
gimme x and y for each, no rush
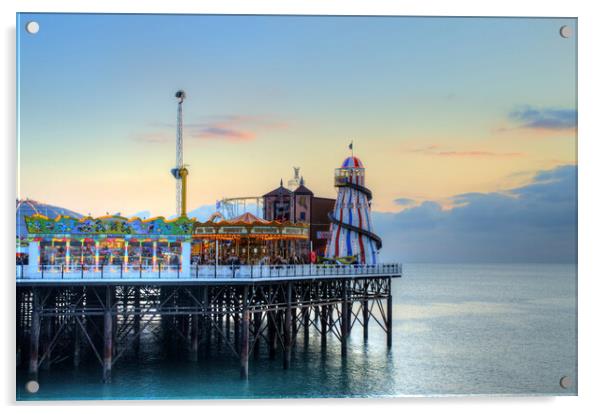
(351, 235)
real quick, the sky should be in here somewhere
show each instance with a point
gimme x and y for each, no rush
(449, 116)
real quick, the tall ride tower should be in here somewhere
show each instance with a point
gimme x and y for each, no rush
(180, 172)
(351, 225)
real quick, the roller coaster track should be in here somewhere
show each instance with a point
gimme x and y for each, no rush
(363, 232)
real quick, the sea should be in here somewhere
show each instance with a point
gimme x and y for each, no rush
(458, 329)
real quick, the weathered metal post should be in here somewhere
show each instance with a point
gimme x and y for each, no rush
(287, 326)
(34, 342)
(344, 319)
(244, 346)
(389, 314)
(108, 338)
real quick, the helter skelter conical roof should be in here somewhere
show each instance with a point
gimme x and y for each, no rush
(352, 162)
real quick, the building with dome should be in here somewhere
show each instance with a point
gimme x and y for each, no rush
(351, 231)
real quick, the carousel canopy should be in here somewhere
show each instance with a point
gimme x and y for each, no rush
(66, 226)
(248, 225)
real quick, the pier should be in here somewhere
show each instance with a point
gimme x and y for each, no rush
(67, 312)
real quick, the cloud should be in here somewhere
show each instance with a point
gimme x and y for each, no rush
(544, 118)
(217, 127)
(438, 151)
(403, 201)
(224, 132)
(533, 223)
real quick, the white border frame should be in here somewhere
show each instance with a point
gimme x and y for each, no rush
(590, 136)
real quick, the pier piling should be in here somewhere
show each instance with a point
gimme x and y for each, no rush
(344, 319)
(287, 326)
(34, 342)
(389, 315)
(108, 339)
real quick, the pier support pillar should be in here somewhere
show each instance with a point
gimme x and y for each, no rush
(137, 320)
(306, 317)
(389, 316)
(227, 325)
(34, 342)
(244, 346)
(76, 345)
(324, 324)
(46, 340)
(244, 336)
(366, 310)
(207, 319)
(295, 325)
(108, 338)
(344, 319)
(272, 334)
(257, 326)
(194, 338)
(366, 317)
(287, 326)
(237, 332)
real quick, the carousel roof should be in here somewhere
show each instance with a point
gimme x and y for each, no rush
(249, 225)
(246, 218)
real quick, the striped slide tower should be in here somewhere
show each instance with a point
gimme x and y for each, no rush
(350, 222)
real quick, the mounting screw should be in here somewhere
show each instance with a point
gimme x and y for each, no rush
(32, 387)
(565, 382)
(32, 27)
(566, 32)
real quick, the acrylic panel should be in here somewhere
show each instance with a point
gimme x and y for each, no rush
(246, 206)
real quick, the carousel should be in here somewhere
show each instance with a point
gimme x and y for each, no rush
(249, 240)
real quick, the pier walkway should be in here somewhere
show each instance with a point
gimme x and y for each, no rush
(77, 274)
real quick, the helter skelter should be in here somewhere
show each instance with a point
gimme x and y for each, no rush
(351, 236)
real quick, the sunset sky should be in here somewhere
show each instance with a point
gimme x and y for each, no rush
(436, 107)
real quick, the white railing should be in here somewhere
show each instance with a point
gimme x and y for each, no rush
(112, 272)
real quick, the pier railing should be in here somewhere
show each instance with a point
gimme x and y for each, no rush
(221, 272)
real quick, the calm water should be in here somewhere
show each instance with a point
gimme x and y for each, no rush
(458, 329)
